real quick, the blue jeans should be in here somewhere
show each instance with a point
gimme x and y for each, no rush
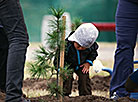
(12, 20)
(126, 34)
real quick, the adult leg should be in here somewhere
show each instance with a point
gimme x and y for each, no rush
(13, 23)
(126, 33)
(3, 59)
(84, 83)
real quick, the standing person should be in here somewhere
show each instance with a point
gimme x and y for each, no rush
(80, 52)
(12, 21)
(3, 58)
(126, 34)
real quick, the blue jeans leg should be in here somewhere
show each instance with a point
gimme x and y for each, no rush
(126, 34)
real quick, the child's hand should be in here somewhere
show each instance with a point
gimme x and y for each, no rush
(86, 67)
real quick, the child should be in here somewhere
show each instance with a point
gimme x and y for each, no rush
(81, 51)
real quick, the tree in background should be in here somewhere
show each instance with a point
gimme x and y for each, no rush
(77, 21)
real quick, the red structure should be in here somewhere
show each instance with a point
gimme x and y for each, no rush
(104, 26)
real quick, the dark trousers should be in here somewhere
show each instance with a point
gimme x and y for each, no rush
(3, 59)
(3, 67)
(12, 20)
(126, 34)
(84, 86)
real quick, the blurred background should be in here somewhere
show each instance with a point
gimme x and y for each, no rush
(94, 11)
(88, 10)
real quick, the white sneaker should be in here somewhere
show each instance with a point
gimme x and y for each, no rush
(114, 96)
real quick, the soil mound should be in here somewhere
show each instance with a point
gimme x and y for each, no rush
(99, 83)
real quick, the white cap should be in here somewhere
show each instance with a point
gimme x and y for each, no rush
(85, 35)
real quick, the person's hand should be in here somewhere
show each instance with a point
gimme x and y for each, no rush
(86, 67)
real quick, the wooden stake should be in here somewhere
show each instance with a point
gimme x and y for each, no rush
(62, 50)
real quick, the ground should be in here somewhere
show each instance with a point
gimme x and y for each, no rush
(99, 83)
(36, 90)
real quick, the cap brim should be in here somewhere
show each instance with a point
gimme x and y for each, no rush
(72, 38)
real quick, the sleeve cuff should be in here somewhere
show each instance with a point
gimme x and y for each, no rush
(90, 62)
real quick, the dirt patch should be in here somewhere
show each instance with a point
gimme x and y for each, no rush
(99, 83)
(88, 98)
(35, 84)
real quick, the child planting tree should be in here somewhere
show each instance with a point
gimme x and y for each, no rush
(80, 52)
